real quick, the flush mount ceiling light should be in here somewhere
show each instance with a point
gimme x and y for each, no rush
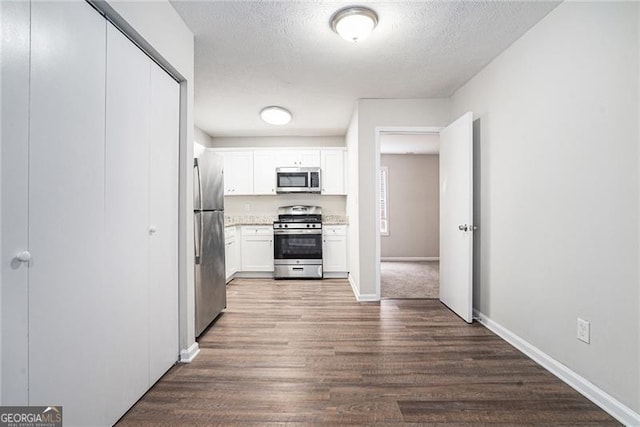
(275, 115)
(354, 23)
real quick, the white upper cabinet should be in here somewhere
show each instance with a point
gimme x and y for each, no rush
(297, 158)
(333, 174)
(252, 171)
(238, 173)
(264, 172)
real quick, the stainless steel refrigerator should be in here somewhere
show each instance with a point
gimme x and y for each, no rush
(208, 202)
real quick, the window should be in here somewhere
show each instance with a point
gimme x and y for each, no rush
(384, 200)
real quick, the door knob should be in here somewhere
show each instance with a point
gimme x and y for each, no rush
(463, 227)
(24, 256)
(152, 229)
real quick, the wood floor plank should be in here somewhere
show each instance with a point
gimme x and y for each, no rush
(306, 353)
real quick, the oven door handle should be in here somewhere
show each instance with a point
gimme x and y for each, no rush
(297, 231)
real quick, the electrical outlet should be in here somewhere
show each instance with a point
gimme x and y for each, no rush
(583, 330)
(247, 207)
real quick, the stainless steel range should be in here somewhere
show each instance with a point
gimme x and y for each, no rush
(297, 252)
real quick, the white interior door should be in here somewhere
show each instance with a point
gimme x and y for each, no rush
(456, 216)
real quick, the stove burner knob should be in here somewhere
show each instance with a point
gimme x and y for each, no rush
(307, 225)
(285, 226)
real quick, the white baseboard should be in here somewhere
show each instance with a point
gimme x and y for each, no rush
(254, 275)
(187, 355)
(409, 258)
(361, 297)
(604, 400)
(335, 275)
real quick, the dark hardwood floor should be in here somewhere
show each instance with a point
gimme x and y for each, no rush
(305, 352)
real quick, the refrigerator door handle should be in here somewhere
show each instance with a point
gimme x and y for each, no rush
(197, 240)
(196, 167)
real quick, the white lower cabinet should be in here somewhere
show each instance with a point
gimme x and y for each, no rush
(257, 248)
(334, 250)
(231, 252)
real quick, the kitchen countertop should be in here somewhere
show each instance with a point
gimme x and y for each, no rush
(230, 221)
(249, 220)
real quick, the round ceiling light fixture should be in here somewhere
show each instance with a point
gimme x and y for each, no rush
(354, 23)
(275, 115)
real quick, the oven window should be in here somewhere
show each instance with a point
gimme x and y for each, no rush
(298, 246)
(292, 179)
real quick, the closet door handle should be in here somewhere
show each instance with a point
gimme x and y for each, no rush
(24, 256)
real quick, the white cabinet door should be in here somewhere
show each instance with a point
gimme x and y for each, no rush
(163, 223)
(257, 248)
(264, 172)
(334, 251)
(295, 157)
(127, 218)
(238, 173)
(69, 304)
(231, 254)
(333, 171)
(309, 158)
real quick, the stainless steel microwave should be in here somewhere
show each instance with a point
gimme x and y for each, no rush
(297, 180)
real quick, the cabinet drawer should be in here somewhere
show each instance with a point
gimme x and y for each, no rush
(334, 230)
(260, 230)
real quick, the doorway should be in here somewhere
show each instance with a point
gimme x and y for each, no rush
(409, 212)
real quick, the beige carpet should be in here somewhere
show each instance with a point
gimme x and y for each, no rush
(409, 279)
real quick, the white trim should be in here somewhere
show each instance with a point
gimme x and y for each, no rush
(362, 297)
(409, 258)
(335, 275)
(354, 286)
(187, 355)
(384, 169)
(253, 275)
(368, 298)
(604, 400)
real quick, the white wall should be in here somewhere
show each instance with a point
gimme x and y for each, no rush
(558, 117)
(414, 206)
(158, 28)
(201, 137)
(268, 205)
(278, 141)
(373, 113)
(353, 212)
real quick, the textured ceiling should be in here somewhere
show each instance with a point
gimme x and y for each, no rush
(250, 54)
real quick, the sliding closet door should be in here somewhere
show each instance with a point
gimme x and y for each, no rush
(163, 223)
(127, 216)
(68, 305)
(14, 108)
